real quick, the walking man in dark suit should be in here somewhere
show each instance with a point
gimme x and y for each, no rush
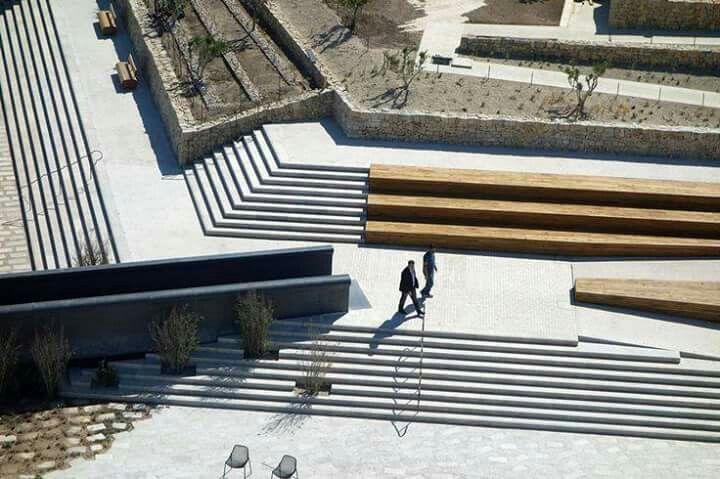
(408, 286)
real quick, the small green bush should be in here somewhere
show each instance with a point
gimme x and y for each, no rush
(9, 352)
(176, 337)
(255, 315)
(51, 353)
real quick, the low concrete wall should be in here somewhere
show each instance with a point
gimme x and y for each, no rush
(647, 56)
(678, 15)
(106, 310)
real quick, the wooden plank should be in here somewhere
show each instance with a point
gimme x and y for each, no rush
(545, 187)
(692, 299)
(570, 243)
(462, 211)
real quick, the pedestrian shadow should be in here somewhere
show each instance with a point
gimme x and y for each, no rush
(387, 328)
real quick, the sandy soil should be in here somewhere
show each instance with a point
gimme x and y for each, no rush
(378, 23)
(518, 12)
(353, 64)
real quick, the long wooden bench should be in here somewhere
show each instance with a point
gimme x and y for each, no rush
(682, 298)
(545, 187)
(107, 21)
(570, 243)
(127, 72)
(463, 211)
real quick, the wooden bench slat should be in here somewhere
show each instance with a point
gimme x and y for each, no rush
(692, 299)
(434, 209)
(107, 21)
(506, 239)
(545, 187)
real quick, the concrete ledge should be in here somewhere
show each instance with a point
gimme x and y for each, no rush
(102, 316)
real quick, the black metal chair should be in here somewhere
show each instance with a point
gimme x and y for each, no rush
(238, 459)
(286, 469)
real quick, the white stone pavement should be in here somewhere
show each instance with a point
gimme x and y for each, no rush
(581, 22)
(188, 443)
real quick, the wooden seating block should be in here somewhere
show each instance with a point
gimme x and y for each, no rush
(570, 243)
(690, 299)
(433, 209)
(542, 187)
(127, 72)
(107, 21)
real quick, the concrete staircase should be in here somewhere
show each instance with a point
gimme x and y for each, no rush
(408, 376)
(63, 208)
(243, 189)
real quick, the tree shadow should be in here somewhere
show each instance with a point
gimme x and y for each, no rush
(332, 38)
(290, 422)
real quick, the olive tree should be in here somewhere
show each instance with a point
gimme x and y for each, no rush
(583, 87)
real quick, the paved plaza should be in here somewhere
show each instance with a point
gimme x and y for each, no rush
(193, 443)
(478, 294)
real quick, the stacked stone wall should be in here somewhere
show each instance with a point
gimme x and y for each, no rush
(676, 15)
(685, 58)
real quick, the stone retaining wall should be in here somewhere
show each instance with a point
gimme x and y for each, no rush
(191, 140)
(678, 15)
(501, 131)
(677, 58)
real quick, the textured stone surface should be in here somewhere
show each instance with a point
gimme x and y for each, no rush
(93, 428)
(96, 437)
(79, 420)
(108, 416)
(629, 55)
(119, 426)
(14, 253)
(8, 440)
(336, 447)
(692, 15)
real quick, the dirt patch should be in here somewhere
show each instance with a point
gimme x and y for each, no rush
(449, 93)
(518, 12)
(379, 23)
(355, 67)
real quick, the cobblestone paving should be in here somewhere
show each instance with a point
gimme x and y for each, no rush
(14, 254)
(193, 443)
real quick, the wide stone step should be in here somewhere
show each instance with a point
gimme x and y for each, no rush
(586, 350)
(213, 382)
(277, 169)
(401, 359)
(478, 409)
(334, 408)
(266, 174)
(215, 225)
(290, 367)
(394, 385)
(251, 190)
(237, 154)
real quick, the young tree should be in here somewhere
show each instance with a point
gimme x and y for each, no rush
(166, 13)
(203, 50)
(406, 64)
(355, 6)
(51, 352)
(583, 88)
(176, 337)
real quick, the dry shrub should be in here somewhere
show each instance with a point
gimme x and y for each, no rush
(176, 337)
(92, 254)
(316, 366)
(9, 352)
(255, 315)
(51, 353)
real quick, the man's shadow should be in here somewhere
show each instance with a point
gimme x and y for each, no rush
(386, 329)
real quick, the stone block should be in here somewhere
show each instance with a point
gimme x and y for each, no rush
(45, 466)
(73, 431)
(70, 411)
(92, 408)
(95, 448)
(77, 450)
(71, 442)
(28, 436)
(116, 406)
(108, 416)
(132, 416)
(119, 426)
(24, 456)
(96, 437)
(79, 420)
(95, 428)
(50, 423)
